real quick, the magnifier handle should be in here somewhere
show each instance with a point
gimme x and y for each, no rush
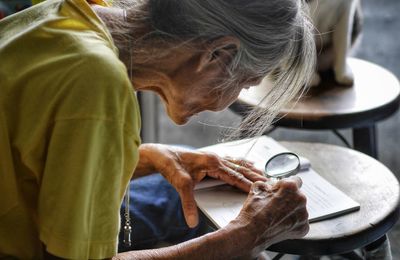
(272, 181)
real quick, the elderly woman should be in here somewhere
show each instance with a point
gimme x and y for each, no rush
(70, 122)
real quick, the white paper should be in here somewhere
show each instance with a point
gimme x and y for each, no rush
(221, 204)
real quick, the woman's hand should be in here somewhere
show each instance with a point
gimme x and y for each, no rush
(184, 168)
(271, 214)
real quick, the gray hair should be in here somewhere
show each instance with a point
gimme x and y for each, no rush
(275, 39)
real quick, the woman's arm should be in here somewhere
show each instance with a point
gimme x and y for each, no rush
(269, 215)
(145, 164)
(184, 168)
(168, 160)
(216, 245)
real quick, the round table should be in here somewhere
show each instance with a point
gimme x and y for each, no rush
(362, 178)
(374, 96)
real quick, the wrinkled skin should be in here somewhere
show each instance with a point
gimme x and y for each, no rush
(184, 168)
(273, 213)
(269, 215)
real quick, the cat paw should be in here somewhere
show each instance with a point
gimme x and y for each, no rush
(315, 80)
(346, 79)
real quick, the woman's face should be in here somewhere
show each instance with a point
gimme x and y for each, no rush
(192, 92)
(193, 80)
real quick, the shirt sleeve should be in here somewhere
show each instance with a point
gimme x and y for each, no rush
(92, 150)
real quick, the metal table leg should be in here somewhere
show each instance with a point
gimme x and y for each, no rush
(364, 140)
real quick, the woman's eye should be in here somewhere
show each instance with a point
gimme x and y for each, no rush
(215, 55)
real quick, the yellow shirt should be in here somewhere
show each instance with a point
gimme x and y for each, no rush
(69, 133)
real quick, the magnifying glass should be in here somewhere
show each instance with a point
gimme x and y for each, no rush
(282, 165)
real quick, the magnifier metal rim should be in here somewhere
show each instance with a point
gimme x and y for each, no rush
(285, 174)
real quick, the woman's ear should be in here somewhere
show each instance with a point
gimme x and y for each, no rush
(220, 51)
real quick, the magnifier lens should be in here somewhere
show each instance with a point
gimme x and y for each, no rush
(282, 165)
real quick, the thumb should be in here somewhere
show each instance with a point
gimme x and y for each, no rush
(189, 206)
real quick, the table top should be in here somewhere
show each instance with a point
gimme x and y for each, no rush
(374, 96)
(365, 180)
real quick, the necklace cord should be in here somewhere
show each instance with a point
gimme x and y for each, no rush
(127, 227)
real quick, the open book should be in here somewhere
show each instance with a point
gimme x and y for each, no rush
(222, 203)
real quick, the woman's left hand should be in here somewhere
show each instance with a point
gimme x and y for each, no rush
(184, 168)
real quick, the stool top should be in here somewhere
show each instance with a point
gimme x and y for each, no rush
(362, 178)
(374, 96)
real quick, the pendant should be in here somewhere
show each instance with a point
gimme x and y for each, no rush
(127, 236)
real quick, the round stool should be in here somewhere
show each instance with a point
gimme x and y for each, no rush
(362, 178)
(374, 96)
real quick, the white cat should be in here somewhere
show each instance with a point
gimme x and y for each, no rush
(338, 27)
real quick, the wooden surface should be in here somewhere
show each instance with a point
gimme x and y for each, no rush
(374, 96)
(362, 178)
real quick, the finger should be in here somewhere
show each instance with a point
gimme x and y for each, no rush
(245, 163)
(259, 188)
(234, 178)
(241, 161)
(247, 172)
(271, 182)
(189, 206)
(303, 228)
(291, 184)
(295, 179)
(298, 221)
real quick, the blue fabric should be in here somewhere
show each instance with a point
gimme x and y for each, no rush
(156, 215)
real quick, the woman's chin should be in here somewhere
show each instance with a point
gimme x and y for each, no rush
(180, 120)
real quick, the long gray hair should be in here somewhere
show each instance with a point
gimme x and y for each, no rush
(275, 39)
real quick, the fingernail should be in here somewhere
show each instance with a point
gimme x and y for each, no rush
(192, 221)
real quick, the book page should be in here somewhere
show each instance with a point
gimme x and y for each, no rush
(222, 204)
(323, 199)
